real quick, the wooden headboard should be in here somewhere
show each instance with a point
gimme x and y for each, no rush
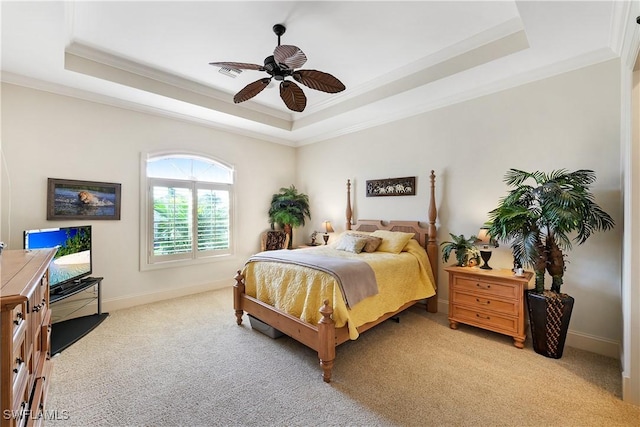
(425, 235)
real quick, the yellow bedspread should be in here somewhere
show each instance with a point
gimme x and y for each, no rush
(300, 291)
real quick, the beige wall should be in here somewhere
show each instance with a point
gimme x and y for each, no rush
(46, 135)
(570, 121)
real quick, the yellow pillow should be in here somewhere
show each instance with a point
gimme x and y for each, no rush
(392, 241)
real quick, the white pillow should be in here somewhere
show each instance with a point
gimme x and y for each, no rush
(351, 243)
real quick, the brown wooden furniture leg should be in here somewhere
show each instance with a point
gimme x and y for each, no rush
(519, 341)
(238, 291)
(326, 341)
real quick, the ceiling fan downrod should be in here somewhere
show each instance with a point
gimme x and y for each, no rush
(279, 29)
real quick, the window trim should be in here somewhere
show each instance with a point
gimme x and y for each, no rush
(146, 239)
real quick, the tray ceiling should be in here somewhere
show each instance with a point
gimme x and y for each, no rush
(396, 59)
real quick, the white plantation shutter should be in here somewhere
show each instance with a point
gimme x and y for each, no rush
(213, 220)
(188, 218)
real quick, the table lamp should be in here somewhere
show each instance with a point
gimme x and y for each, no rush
(485, 241)
(327, 229)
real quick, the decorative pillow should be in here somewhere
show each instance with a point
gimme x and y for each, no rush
(372, 242)
(350, 243)
(392, 241)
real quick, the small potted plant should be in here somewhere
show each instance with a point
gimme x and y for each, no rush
(288, 209)
(539, 216)
(467, 253)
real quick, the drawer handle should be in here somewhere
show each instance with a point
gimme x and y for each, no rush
(483, 317)
(37, 308)
(487, 302)
(19, 318)
(18, 362)
(483, 286)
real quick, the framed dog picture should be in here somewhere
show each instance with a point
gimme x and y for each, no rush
(71, 199)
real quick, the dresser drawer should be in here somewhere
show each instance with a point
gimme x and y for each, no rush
(19, 357)
(38, 308)
(41, 389)
(496, 289)
(18, 317)
(495, 322)
(45, 335)
(479, 301)
(20, 388)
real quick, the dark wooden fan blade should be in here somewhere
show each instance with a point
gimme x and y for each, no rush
(291, 56)
(238, 65)
(293, 96)
(319, 81)
(251, 90)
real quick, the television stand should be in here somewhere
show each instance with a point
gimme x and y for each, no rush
(65, 333)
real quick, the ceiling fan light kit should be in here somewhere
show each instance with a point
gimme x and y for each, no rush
(282, 64)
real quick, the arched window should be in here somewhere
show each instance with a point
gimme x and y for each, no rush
(188, 208)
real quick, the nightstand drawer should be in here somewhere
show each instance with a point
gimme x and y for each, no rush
(494, 288)
(476, 301)
(495, 322)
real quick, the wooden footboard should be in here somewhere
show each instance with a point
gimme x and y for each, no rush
(324, 337)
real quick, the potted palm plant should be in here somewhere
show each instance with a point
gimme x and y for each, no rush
(288, 209)
(541, 216)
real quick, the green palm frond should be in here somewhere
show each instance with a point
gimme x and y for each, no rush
(560, 207)
(289, 207)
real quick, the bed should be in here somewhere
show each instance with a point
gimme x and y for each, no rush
(325, 319)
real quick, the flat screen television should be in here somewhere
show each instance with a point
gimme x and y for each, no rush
(73, 261)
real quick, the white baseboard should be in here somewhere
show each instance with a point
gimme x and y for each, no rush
(630, 390)
(128, 301)
(598, 345)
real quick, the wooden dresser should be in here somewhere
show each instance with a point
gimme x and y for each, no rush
(489, 299)
(25, 364)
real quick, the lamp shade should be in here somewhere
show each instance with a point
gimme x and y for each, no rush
(483, 237)
(327, 227)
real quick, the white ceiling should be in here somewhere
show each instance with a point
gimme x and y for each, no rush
(396, 59)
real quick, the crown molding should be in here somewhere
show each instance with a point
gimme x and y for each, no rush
(91, 61)
(581, 61)
(57, 89)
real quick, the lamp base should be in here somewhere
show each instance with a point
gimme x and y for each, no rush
(325, 237)
(486, 256)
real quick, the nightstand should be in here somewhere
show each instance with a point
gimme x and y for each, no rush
(489, 299)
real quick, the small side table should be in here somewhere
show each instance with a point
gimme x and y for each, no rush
(489, 299)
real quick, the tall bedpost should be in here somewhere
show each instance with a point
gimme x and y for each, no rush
(238, 291)
(432, 245)
(326, 341)
(349, 212)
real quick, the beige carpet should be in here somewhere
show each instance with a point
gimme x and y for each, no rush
(186, 362)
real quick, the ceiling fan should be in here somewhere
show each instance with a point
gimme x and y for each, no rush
(279, 66)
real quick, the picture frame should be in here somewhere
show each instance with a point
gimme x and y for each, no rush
(405, 186)
(69, 199)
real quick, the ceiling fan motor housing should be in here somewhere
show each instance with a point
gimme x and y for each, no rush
(277, 71)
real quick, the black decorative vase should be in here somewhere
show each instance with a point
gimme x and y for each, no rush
(549, 316)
